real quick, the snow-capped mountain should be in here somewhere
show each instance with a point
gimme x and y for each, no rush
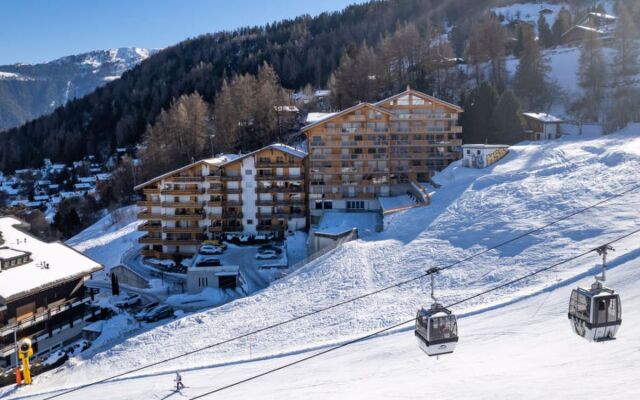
(30, 90)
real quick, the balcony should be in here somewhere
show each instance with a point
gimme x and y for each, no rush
(214, 178)
(280, 189)
(214, 203)
(183, 229)
(149, 203)
(233, 190)
(149, 216)
(186, 204)
(177, 192)
(287, 177)
(231, 203)
(232, 214)
(185, 179)
(231, 178)
(225, 228)
(283, 202)
(182, 217)
(150, 240)
(151, 191)
(277, 164)
(150, 227)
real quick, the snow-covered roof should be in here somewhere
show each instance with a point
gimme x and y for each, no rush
(339, 223)
(82, 186)
(103, 177)
(322, 93)
(318, 116)
(288, 149)
(542, 117)
(87, 179)
(603, 16)
(63, 263)
(41, 197)
(6, 252)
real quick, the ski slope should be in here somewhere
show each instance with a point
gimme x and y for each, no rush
(524, 350)
(474, 209)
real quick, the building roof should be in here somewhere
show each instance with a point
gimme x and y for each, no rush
(226, 159)
(419, 94)
(62, 263)
(604, 16)
(346, 111)
(318, 116)
(543, 117)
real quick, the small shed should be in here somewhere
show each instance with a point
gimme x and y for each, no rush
(482, 155)
(541, 126)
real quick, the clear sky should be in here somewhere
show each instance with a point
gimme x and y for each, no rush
(33, 31)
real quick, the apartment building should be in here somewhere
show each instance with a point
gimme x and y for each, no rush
(259, 193)
(379, 149)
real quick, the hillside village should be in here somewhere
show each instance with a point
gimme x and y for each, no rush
(227, 215)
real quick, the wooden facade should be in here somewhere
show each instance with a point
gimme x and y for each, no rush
(372, 150)
(258, 193)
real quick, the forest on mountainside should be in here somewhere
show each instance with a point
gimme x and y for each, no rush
(229, 82)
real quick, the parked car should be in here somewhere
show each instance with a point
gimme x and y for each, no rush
(269, 247)
(159, 312)
(209, 262)
(145, 310)
(216, 243)
(266, 255)
(244, 238)
(130, 300)
(210, 250)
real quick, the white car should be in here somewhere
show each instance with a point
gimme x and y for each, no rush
(266, 255)
(210, 250)
(130, 300)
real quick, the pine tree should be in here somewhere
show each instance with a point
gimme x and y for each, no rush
(626, 43)
(507, 119)
(477, 120)
(561, 24)
(592, 76)
(544, 32)
(530, 80)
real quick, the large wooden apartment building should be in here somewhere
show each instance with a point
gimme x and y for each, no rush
(379, 149)
(262, 192)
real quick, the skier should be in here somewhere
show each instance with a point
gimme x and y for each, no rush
(178, 381)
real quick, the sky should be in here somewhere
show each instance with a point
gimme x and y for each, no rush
(33, 31)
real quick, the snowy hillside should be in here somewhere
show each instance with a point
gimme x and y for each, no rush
(534, 184)
(30, 90)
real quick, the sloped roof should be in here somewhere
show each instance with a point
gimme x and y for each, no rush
(419, 94)
(542, 117)
(346, 111)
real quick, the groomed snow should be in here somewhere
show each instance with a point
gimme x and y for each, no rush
(475, 208)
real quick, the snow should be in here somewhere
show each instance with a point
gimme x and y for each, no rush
(13, 76)
(289, 150)
(314, 117)
(50, 262)
(513, 339)
(528, 12)
(542, 117)
(390, 204)
(340, 222)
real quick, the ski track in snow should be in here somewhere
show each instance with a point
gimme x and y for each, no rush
(475, 209)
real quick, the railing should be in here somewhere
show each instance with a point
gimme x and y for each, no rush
(149, 203)
(186, 204)
(276, 164)
(25, 323)
(283, 202)
(182, 191)
(182, 217)
(232, 215)
(233, 190)
(231, 178)
(183, 229)
(278, 189)
(149, 216)
(270, 228)
(151, 191)
(150, 227)
(185, 179)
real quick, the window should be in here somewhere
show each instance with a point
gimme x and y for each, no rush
(468, 151)
(249, 222)
(328, 205)
(248, 172)
(318, 205)
(355, 205)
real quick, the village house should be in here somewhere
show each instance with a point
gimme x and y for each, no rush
(42, 293)
(259, 193)
(378, 149)
(482, 155)
(541, 126)
(601, 24)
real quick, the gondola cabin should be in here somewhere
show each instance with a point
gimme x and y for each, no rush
(595, 314)
(436, 330)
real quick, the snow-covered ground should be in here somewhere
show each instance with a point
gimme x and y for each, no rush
(522, 350)
(528, 12)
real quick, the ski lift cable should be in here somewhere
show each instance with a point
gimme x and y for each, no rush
(389, 328)
(353, 299)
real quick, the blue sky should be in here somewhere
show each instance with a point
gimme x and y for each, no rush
(34, 31)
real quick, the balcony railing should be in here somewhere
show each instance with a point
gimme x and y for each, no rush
(286, 177)
(149, 216)
(225, 228)
(283, 202)
(185, 179)
(149, 203)
(276, 164)
(231, 178)
(233, 190)
(182, 217)
(39, 317)
(232, 215)
(151, 191)
(192, 191)
(186, 204)
(150, 227)
(270, 228)
(280, 189)
(183, 229)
